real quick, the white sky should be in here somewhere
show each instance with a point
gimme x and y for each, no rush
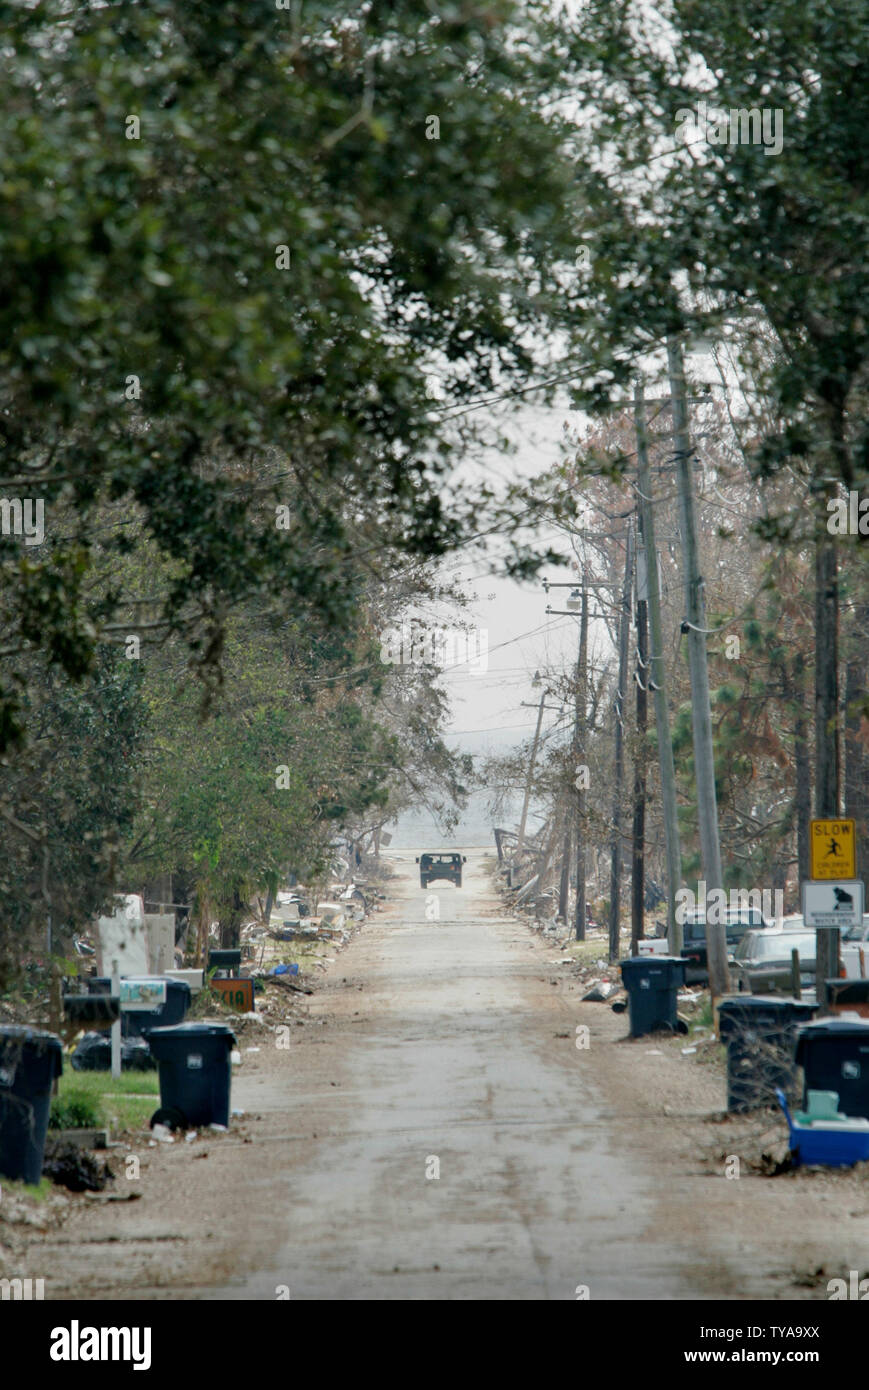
(487, 710)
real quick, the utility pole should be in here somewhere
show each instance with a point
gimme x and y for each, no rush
(657, 680)
(694, 625)
(579, 746)
(827, 737)
(521, 837)
(616, 842)
(564, 880)
(638, 835)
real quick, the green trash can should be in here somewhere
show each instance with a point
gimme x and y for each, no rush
(195, 1074)
(652, 983)
(29, 1062)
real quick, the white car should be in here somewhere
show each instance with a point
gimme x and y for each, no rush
(854, 951)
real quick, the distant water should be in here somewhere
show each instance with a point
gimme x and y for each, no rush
(418, 829)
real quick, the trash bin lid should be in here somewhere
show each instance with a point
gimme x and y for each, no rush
(181, 1031)
(651, 965)
(34, 1037)
(764, 1003)
(843, 1030)
(20, 1036)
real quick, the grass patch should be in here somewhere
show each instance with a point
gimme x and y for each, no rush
(127, 1102)
(75, 1109)
(704, 1016)
(37, 1192)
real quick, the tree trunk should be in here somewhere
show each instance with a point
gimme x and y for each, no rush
(638, 866)
(621, 702)
(856, 753)
(231, 919)
(803, 797)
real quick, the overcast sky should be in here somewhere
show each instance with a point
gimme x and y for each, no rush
(487, 710)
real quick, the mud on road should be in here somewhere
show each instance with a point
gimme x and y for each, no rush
(433, 1131)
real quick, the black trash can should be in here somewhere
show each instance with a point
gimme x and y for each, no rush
(195, 1073)
(224, 960)
(29, 1062)
(759, 1030)
(848, 996)
(136, 1023)
(834, 1056)
(652, 983)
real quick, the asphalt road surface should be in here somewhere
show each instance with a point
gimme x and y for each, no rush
(461, 1148)
(433, 1131)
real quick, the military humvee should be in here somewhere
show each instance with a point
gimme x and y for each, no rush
(443, 865)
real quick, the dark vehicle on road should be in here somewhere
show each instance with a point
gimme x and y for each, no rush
(694, 952)
(763, 960)
(443, 866)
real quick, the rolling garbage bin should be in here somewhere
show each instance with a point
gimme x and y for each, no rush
(136, 1023)
(834, 1056)
(848, 996)
(195, 1074)
(652, 983)
(759, 1030)
(29, 1062)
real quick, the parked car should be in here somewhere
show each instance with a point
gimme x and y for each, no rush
(444, 866)
(694, 951)
(854, 950)
(762, 960)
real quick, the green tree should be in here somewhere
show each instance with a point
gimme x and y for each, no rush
(234, 245)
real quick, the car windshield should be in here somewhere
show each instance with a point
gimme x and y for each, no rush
(734, 927)
(778, 945)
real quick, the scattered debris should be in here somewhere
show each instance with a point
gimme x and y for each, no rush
(113, 1196)
(600, 992)
(70, 1166)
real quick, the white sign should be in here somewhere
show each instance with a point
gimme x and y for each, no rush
(160, 936)
(121, 937)
(833, 904)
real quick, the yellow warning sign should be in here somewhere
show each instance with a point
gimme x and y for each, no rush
(833, 849)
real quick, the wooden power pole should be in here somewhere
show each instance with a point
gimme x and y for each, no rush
(621, 699)
(580, 741)
(657, 680)
(694, 626)
(638, 832)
